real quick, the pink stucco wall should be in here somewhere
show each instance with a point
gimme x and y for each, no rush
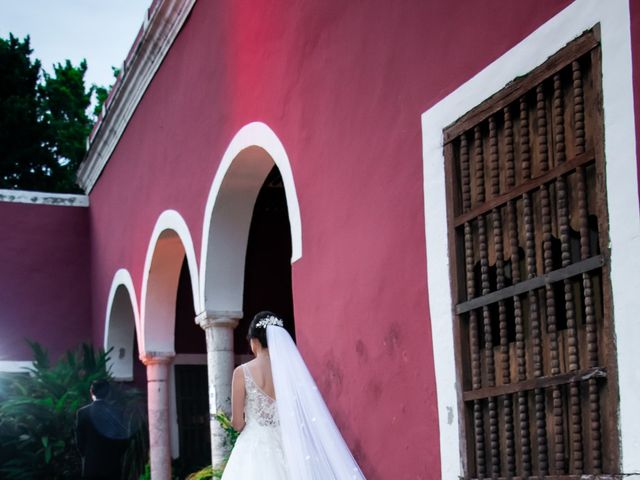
(44, 285)
(343, 85)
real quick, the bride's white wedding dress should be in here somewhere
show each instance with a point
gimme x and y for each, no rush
(258, 452)
(295, 437)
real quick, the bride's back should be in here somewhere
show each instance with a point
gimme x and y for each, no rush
(260, 370)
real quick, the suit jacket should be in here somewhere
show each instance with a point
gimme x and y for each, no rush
(101, 437)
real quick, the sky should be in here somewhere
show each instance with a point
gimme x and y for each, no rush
(101, 31)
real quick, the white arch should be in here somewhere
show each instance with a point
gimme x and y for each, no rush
(258, 148)
(122, 320)
(170, 242)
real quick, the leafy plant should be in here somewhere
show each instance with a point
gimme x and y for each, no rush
(230, 440)
(146, 475)
(207, 473)
(176, 471)
(38, 409)
(231, 433)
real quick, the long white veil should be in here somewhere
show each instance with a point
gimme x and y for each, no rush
(313, 446)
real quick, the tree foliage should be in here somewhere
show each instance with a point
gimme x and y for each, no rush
(64, 102)
(102, 93)
(44, 120)
(37, 416)
(24, 159)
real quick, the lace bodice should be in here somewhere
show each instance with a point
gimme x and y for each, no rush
(259, 407)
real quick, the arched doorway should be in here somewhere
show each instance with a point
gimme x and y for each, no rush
(251, 230)
(169, 293)
(267, 279)
(120, 326)
(189, 396)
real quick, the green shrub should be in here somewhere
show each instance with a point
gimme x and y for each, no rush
(38, 410)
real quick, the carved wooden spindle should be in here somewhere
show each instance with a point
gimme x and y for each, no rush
(525, 147)
(494, 166)
(496, 217)
(502, 311)
(541, 122)
(494, 440)
(558, 120)
(545, 204)
(562, 199)
(541, 433)
(476, 375)
(537, 348)
(509, 155)
(525, 439)
(589, 313)
(507, 401)
(578, 108)
(523, 401)
(478, 424)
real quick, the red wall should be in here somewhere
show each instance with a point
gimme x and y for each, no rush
(343, 85)
(44, 286)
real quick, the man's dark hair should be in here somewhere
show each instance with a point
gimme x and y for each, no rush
(100, 389)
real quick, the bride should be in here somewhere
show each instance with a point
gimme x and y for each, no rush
(286, 429)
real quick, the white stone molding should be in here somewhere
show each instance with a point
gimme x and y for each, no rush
(218, 327)
(43, 198)
(622, 186)
(122, 320)
(158, 34)
(15, 366)
(170, 242)
(244, 166)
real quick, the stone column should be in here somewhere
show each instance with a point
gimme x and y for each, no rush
(218, 327)
(158, 364)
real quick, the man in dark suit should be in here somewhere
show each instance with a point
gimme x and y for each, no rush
(101, 436)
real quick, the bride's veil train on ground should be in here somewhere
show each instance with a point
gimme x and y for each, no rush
(313, 445)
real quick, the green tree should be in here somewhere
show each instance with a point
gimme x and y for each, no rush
(64, 102)
(25, 161)
(102, 93)
(44, 120)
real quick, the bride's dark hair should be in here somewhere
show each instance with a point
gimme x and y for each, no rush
(260, 332)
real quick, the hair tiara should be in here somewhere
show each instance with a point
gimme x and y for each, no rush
(270, 320)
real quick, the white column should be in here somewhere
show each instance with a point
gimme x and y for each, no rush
(218, 327)
(158, 364)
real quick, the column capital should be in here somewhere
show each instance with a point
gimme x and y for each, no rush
(157, 358)
(218, 319)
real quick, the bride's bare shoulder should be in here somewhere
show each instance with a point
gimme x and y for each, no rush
(239, 370)
(250, 364)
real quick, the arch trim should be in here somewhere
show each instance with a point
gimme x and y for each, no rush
(169, 220)
(122, 278)
(255, 134)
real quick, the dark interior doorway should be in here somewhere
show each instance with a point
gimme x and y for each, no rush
(267, 278)
(192, 387)
(192, 402)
